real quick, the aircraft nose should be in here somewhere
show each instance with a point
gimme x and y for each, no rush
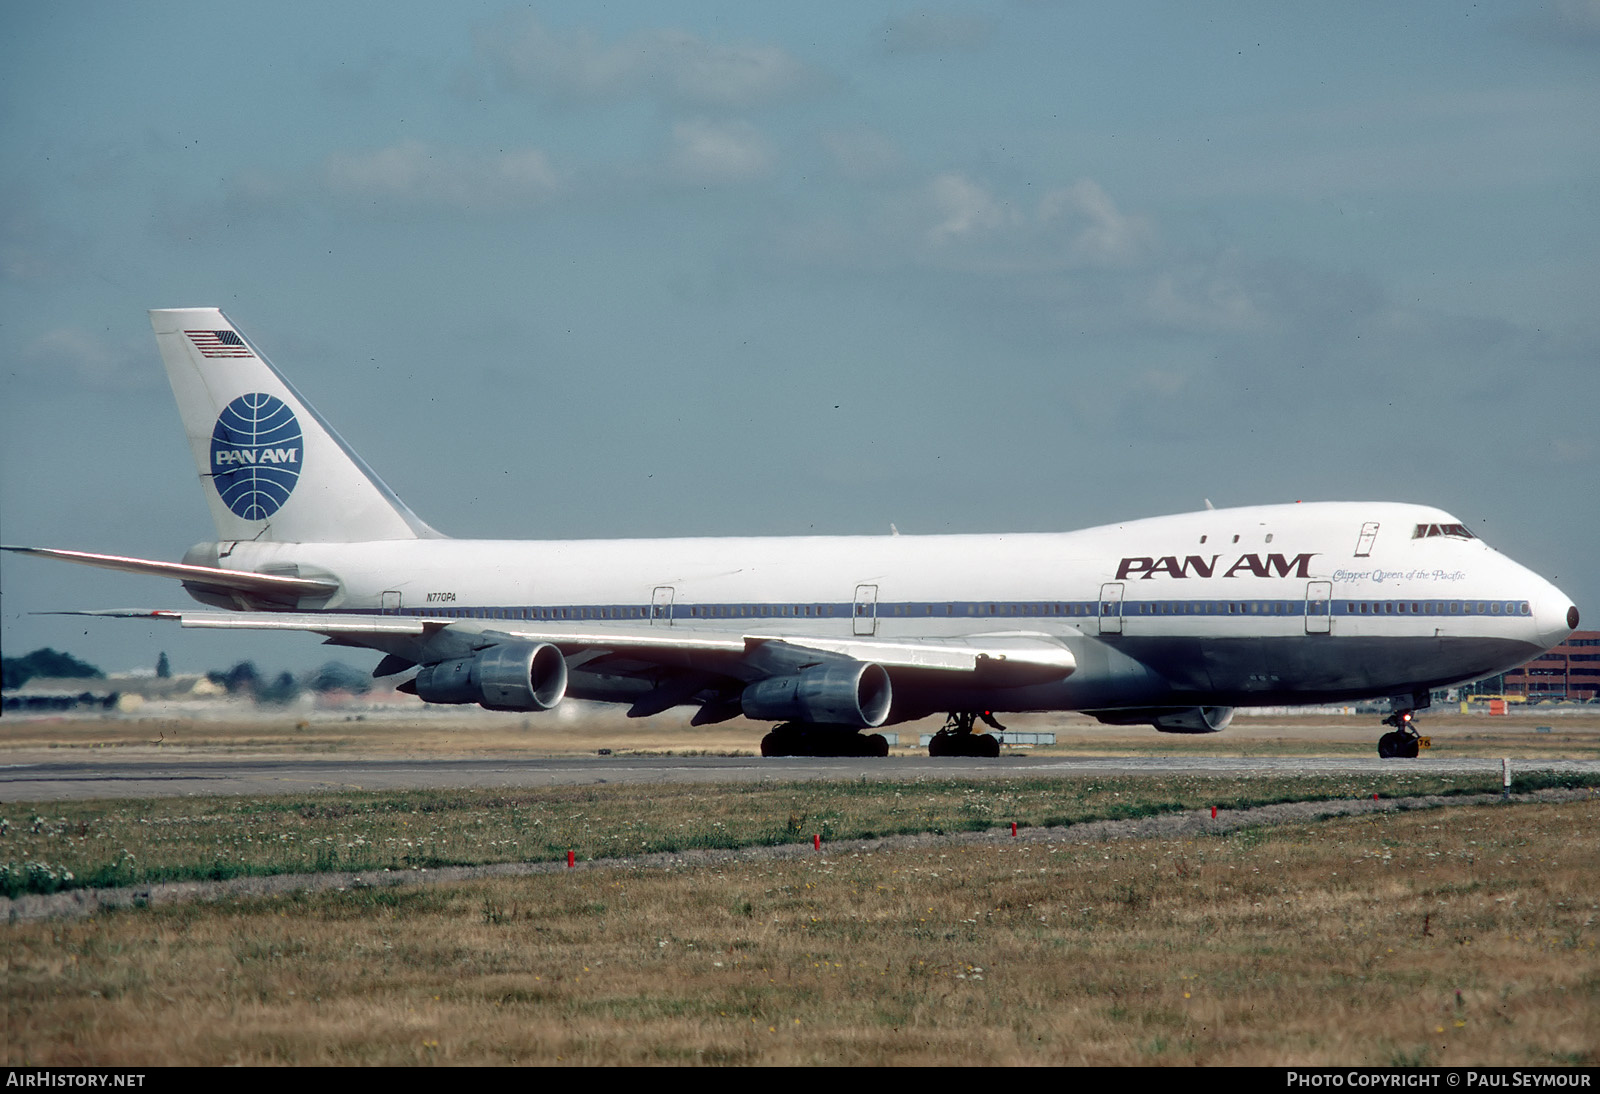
(1555, 616)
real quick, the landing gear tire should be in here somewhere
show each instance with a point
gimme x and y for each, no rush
(1401, 743)
(957, 738)
(800, 739)
(1398, 746)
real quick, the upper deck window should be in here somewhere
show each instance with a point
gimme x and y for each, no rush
(1458, 531)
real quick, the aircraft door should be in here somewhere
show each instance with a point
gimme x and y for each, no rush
(391, 602)
(661, 606)
(1369, 532)
(1111, 608)
(864, 619)
(1319, 607)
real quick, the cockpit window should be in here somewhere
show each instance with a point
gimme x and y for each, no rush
(1457, 531)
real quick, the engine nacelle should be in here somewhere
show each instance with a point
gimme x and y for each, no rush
(1195, 720)
(1169, 719)
(510, 676)
(855, 693)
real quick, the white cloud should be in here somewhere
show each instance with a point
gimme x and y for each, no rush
(862, 154)
(1202, 299)
(1072, 226)
(1167, 383)
(960, 224)
(30, 248)
(414, 173)
(719, 152)
(670, 64)
(934, 32)
(68, 357)
(1572, 450)
(1577, 22)
(1101, 233)
(964, 209)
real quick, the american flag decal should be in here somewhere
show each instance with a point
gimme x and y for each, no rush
(218, 343)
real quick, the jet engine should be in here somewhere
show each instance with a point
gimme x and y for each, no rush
(509, 676)
(1170, 719)
(846, 693)
(1195, 720)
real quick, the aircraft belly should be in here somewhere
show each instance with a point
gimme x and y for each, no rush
(1315, 668)
(1104, 676)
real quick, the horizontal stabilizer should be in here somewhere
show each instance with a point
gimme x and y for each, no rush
(273, 585)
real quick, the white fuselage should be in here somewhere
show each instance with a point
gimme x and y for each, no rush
(1263, 604)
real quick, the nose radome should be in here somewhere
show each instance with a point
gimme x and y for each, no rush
(1555, 615)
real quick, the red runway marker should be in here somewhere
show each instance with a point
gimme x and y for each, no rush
(572, 859)
(816, 842)
(1213, 812)
(1013, 829)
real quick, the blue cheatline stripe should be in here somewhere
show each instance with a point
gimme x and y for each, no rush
(964, 609)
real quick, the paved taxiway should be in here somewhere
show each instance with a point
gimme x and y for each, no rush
(51, 777)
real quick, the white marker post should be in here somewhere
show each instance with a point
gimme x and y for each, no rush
(1505, 778)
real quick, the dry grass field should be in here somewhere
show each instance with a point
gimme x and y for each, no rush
(1461, 935)
(103, 843)
(1456, 936)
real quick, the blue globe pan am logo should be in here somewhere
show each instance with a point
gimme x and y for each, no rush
(256, 455)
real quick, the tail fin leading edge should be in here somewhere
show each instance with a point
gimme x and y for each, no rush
(273, 469)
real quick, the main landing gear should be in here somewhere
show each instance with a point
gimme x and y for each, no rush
(957, 738)
(1403, 742)
(806, 739)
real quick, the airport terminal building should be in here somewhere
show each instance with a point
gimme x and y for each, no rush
(1570, 671)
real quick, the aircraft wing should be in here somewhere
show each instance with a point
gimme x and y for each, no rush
(1002, 657)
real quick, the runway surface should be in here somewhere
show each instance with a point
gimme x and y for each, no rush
(48, 776)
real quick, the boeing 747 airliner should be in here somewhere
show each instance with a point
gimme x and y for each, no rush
(1171, 621)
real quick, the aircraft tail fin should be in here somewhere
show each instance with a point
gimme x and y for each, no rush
(272, 468)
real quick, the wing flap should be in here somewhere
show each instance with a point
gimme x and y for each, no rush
(317, 623)
(1022, 655)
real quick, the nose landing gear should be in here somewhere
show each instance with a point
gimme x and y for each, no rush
(1403, 742)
